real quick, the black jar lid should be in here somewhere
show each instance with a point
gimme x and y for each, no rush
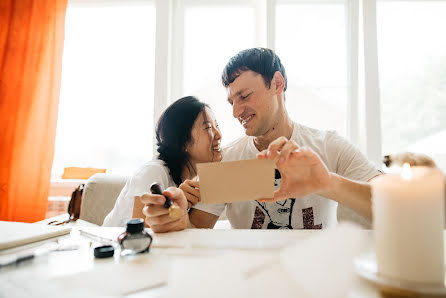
(135, 225)
(105, 251)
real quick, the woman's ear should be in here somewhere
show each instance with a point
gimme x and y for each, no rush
(187, 145)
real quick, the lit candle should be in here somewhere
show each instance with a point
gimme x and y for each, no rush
(408, 218)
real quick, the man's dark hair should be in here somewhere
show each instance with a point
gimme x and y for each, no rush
(260, 60)
(173, 132)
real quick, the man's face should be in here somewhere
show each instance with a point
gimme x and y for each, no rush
(254, 105)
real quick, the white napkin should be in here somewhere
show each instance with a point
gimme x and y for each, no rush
(322, 265)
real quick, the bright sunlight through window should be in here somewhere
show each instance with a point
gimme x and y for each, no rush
(106, 103)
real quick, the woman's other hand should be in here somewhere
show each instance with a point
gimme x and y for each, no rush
(191, 190)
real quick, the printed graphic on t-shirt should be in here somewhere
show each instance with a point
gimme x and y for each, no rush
(278, 215)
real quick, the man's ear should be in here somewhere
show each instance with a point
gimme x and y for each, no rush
(278, 82)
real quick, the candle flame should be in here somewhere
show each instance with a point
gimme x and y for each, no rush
(406, 173)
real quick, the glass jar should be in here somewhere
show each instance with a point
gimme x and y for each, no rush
(135, 239)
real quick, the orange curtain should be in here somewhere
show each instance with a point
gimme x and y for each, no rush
(31, 45)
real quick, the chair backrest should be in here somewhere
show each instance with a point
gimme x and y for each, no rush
(99, 197)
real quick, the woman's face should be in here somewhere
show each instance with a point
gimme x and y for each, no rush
(205, 142)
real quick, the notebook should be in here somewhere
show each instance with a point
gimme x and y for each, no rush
(15, 234)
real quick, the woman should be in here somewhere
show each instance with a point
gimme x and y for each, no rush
(187, 133)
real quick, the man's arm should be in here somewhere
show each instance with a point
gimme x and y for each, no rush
(303, 173)
(356, 195)
(201, 219)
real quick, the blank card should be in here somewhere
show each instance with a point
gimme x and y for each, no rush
(236, 181)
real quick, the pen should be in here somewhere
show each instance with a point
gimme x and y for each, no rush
(174, 210)
(96, 237)
(15, 259)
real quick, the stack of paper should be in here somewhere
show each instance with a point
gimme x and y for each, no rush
(17, 233)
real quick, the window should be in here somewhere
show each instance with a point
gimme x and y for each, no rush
(107, 95)
(412, 70)
(106, 102)
(209, 41)
(311, 42)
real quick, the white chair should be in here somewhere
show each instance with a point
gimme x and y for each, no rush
(99, 196)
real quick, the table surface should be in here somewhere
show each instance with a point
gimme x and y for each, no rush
(63, 263)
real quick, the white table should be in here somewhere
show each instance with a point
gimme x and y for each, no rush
(58, 264)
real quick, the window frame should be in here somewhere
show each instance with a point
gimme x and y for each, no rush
(169, 57)
(373, 121)
(352, 33)
(64, 187)
(265, 37)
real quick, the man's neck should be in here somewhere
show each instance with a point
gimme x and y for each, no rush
(282, 128)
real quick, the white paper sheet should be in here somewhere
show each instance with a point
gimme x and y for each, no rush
(316, 266)
(25, 284)
(231, 275)
(117, 279)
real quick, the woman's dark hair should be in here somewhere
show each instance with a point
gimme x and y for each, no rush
(260, 60)
(173, 132)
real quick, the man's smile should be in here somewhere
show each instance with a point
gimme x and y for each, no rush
(246, 119)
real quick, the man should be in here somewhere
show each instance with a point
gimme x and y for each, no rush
(316, 169)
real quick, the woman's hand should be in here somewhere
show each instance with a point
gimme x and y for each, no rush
(191, 191)
(157, 217)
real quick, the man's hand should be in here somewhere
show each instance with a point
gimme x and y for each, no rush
(191, 190)
(302, 170)
(157, 217)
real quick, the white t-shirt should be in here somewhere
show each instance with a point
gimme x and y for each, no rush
(309, 212)
(139, 183)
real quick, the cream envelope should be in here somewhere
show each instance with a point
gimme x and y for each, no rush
(236, 181)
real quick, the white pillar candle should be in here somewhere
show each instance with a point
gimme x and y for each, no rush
(408, 217)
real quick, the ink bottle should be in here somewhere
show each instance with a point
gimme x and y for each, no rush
(135, 239)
